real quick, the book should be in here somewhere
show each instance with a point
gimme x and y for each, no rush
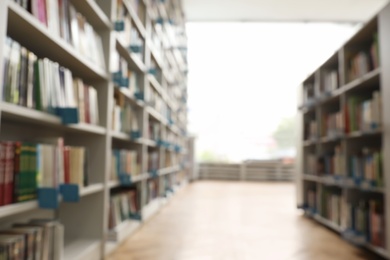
(125, 162)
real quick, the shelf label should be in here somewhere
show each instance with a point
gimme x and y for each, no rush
(125, 179)
(68, 115)
(139, 95)
(48, 198)
(70, 192)
(153, 173)
(119, 26)
(135, 134)
(136, 216)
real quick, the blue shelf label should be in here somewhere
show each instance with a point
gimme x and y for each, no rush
(119, 26)
(135, 48)
(136, 216)
(139, 95)
(125, 179)
(70, 192)
(48, 198)
(135, 134)
(153, 71)
(153, 173)
(68, 115)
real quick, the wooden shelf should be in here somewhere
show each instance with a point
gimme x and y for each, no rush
(310, 177)
(56, 49)
(358, 134)
(134, 179)
(130, 97)
(366, 81)
(17, 208)
(125, 137)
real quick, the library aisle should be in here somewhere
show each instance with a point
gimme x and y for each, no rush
(231, 220)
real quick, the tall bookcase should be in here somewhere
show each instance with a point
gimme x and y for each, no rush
(156, 54)
(343, 174)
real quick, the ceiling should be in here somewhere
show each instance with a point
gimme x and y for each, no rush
(281, 10)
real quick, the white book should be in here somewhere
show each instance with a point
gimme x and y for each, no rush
(100, 53)
(52, 11)
(74, 29)
(46, 87)
(59, 244)
(69, 89)
(93, 106)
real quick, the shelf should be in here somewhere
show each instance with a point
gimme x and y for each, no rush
(347, 183)
(125, 137)
(378, 250)
(130, 96)
(368, 80)
(310, 142)
(310, 177)
(358, 134)
(123, 231)
(13, 209)
(95, 16)
(30, 33)
(149, 142)
(15, 113)
(327, 223)
(83, 249)
(91, 189)
(132, 59)
(138, 24)
(329, 139)
(134, 179)
(151, 209)
(168, 170)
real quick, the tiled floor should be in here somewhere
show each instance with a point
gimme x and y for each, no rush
(232, 220)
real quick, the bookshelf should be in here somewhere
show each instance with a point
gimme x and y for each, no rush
(116, 69)
(342, 171)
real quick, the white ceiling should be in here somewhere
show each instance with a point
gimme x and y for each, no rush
(282, 10)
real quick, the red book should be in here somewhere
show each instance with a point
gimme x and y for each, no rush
(16, 172)
(86, 104)
(66, 164)
(2, 172)
(38, 9)
(9, 172)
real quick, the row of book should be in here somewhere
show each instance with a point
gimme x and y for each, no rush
(171, 159)
(153, 161)
(311, 130)
(331, 206)
(124, 115)
(367, 165)
(123, 76)
(364, 113)
(125, 162)
(26, 166)
(154, 130)
(367, 219)
(364, 61)
(39, 239)
(126, 31)
(167, 184)
(311, 198)
(333, 124)
(63, 20)
(332, 163)
(152, 189)
(330, 81)
(44, 85)
(124, 205)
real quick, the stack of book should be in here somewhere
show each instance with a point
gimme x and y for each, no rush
(332, 163)
(44, 85)
(124, 115)
(124, 162)
(62, 20)
(331, 206)
(330, 81)
(366, 218)
(37, 239)
(364, 61)
(364, 113)
(153, 161)
(333, 124)
(25, 166)
(367, 165)
(124, 205)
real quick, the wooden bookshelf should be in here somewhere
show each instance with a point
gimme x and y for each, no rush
(86, 223)
(342, 163)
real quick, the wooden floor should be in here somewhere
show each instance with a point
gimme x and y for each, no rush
(232, 220)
